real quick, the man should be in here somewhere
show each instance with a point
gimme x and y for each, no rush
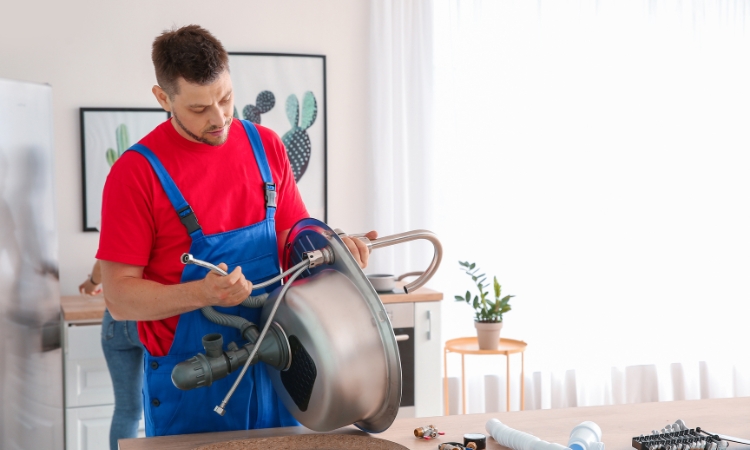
(199, 183)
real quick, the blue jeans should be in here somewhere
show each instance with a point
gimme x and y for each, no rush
(124, 354)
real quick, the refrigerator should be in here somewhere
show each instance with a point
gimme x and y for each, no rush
(31, 376)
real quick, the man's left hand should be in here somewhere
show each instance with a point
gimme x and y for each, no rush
(358, 248)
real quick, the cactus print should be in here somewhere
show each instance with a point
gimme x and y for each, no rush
(296, 140)
(264, 102)
(123, 143)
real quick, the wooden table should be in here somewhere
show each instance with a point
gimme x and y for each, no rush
(470, 346)
(619, 424)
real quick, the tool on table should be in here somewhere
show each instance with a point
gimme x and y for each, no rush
(328, 372)
(678, 436)
(456, 446)
(428, 432)
(478, 439)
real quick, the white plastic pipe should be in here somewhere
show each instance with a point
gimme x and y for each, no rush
(585, 436)
(518, 440)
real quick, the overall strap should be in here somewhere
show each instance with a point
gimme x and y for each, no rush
(265, 169)
(180, 205)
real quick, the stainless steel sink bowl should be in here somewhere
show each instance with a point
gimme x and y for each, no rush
(345, 364)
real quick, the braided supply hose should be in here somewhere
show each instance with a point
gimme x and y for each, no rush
(251, 301)
(220, 409)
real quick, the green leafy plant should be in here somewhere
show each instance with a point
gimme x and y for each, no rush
(486, 309)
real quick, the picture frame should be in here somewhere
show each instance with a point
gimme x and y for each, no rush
(286, 92)
(105, 134)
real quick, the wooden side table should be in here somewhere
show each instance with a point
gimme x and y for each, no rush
(470, 346)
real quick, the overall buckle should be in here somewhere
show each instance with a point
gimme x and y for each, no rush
(270, 195)
(187, 217)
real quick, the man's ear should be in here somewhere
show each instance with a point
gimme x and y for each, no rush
(162, 98)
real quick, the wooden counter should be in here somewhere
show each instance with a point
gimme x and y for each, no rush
(619, 423)
(422, 294)
(77, 308)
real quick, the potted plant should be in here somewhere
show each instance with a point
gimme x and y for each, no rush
(488, 319)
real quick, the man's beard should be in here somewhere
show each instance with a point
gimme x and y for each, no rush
(222, 139)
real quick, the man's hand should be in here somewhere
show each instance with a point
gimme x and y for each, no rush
(359, 249)
(228, 290)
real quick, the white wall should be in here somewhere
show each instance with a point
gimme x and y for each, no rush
(98, 54)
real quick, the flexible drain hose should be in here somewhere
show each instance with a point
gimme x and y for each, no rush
(226, 320)
(240, 323)
(257, 301)
(302, 267)
(229, 320)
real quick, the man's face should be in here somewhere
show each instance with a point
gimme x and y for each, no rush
(201, 113)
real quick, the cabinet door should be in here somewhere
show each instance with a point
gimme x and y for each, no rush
(428, 392)
(87, 381)
(88, 428)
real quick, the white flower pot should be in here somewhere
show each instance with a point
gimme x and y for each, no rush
(488, 334)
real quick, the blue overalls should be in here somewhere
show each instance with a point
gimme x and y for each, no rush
(169, 410)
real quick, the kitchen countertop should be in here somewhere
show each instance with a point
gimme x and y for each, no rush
(77, 308)
(619, 424)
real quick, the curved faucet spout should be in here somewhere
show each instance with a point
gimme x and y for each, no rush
(400, 238)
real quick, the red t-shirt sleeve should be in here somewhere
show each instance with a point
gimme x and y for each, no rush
(291, 208)
(127, 231)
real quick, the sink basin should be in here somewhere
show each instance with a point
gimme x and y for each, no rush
(307, 441)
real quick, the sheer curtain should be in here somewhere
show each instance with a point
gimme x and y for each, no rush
(401, 97)
(594, 156)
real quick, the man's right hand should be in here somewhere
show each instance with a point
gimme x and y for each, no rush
(228, 290)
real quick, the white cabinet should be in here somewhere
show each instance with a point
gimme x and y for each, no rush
(417, 329)
(87, 380)
(427, 370)
(87, 428)
(89, 397)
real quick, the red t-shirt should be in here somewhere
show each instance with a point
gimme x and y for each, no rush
(223, 186)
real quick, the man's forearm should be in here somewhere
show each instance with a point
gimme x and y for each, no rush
(129, 297)
(139, 299)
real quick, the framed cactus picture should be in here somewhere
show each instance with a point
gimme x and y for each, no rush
(287, 93)
(105, 135)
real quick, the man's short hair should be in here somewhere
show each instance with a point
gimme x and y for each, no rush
(190, 52)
